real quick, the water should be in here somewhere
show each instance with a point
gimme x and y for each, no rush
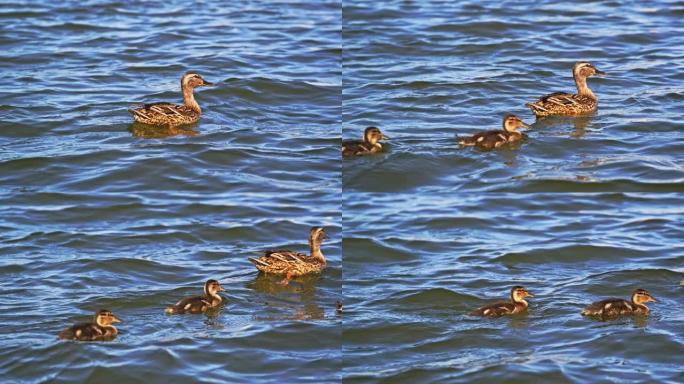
(97, 213)
(583, 209)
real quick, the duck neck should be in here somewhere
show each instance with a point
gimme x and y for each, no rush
(583, 88)
(316, 250)
(189, 99)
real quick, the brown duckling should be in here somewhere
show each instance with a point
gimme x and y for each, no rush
(611, 308)
(369, 145)
(495, 139)
(513, 307)
(98, 330)
(167, 114)
(338, 304)
(294, 264)
(568, 104)
(199, 304)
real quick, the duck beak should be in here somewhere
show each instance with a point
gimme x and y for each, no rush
(651, 299)
(524, 124)
(116, 319)
(207, 83)
(385, 137)
(220, 288)
(600, 73)
(529, 294)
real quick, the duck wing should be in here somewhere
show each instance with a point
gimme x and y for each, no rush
(83, 331)
(355, 147)
(280, 261)
(164, 114)
(197, 304)
(609, 308)
(495, 310)
(561, 103)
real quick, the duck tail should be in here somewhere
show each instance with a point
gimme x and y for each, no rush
(466, 141)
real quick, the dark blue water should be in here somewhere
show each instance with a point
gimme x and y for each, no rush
(96, 212)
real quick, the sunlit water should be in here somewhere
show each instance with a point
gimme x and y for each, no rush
(583, 209)
(98, 213)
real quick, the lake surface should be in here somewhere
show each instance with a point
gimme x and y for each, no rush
(98, 213)
(584, 209)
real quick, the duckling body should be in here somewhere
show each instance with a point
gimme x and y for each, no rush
(518, 304)
(611, 308)
(494, 139)
(293, 264)
(198, 304)
(168, 114)
(369, 145)
(569, 104)
(101, 329)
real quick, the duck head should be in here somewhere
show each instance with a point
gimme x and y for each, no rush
(584, 69)
(511, 123)
(105, 318)
(519, 293)
(212, 287)
(192, 80)
(641, 296)
(372, 135)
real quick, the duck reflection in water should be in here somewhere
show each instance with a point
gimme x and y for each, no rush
(145, 131)
(297, 300)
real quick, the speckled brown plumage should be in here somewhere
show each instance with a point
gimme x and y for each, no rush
(292, 264)
(101, 329)
(568, 104)
(494, 139)
(506, 308)
(168, 114)
(369, 145)
(199, 304)
(611, 308)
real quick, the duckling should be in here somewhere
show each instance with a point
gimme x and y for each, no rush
(495, 139)
(568, 104)
(503, 308)
(199, 304)
(100, 329)
(167, 114)
(369, 145)
(611, 308)
(294, 264)
(338, 304)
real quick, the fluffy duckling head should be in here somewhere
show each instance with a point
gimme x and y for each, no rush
(372, 135)
(105, 318)
(519, 293)
(511, 123)
(641, 296)
(212, 287)
(192, 80)
(584, 69)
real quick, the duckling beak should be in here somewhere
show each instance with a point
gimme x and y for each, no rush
(651, 299)
(116, 319)
(529, 294)
(220, 288)
(385, 137)
(524, 124)
(207, 83)
(600, 73)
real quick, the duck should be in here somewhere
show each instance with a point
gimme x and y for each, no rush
(568, 104)
(611, 308)
(98, 330)
(338, 306)
(294, 264)
(495, 139)
(369, 145)
(518, 304)
(198, 304)
(168, 114)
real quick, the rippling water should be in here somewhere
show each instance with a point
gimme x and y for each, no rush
(433, 231)
(98, 213)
